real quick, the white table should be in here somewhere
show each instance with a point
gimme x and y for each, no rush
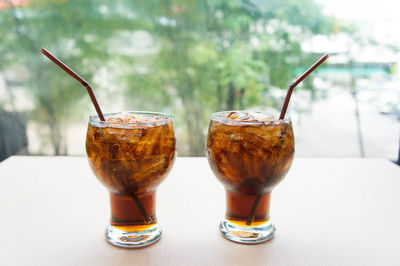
(327, 212)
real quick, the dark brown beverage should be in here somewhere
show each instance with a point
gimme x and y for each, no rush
(126, 215)
(250, 153)
(131, 153)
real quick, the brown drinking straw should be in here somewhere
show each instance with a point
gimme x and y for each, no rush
(250, 218)
(78, 78)
(99, 113)
(297, 81)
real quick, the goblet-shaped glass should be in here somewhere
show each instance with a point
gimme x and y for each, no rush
(131, 153)
(250, 153)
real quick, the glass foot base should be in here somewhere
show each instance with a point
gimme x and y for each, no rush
(247, 234)
(136, 239)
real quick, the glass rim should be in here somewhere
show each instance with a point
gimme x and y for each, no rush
(94, 119)
(221, 117)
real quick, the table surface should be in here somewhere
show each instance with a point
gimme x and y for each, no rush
(326, 211)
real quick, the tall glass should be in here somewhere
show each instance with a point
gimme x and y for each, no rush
(131, 153)
(250, 153)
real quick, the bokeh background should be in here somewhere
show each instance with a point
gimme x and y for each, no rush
(191, 58)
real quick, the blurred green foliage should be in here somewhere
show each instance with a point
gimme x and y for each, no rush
(186, 57)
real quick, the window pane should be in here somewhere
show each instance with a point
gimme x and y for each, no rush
(193, 58)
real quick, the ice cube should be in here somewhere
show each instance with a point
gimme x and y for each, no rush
(261, 117)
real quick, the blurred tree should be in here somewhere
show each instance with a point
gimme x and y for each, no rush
(187, 57)
(222, 54)
(26, 30)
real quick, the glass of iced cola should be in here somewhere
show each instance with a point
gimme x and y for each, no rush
(250, 153)
(131, 153)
